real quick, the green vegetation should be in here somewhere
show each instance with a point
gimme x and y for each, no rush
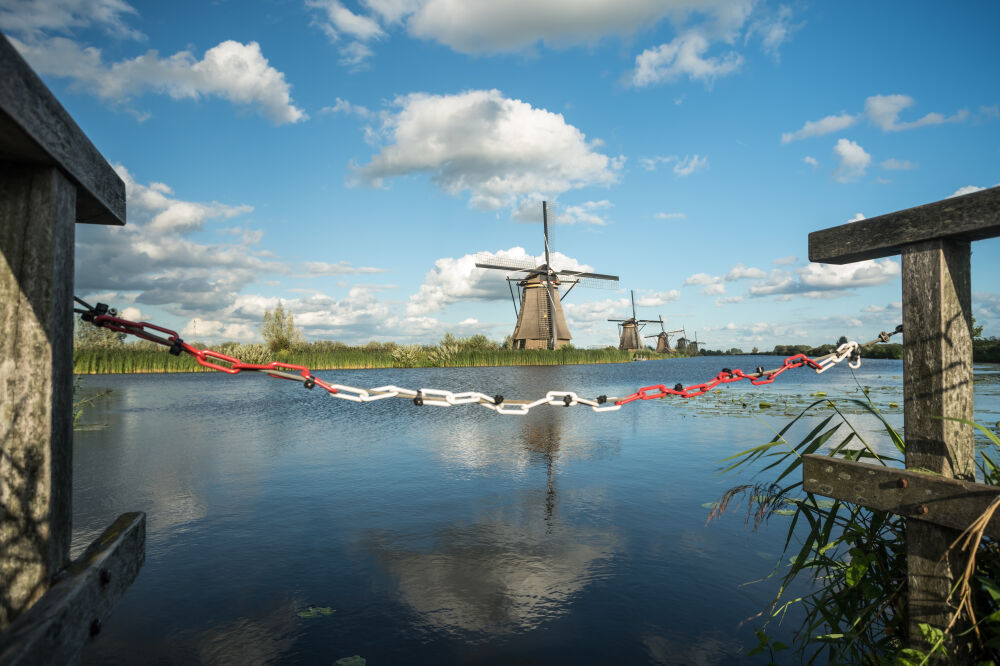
(856, 557)
(118, 356)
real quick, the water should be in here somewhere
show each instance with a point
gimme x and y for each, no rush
(443, 535)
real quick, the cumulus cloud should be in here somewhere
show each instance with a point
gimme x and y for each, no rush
(812, 161)
(657, 298)
(343, 106)
(496, 149)
(968, 189)
(684, 56)
(339, 268)
(741, 272)
(820, 127)
(853, 161)
(880, 110)
(817, 280)
(32, 18)
(892, 164)
(857, 217)
(690, 164)
(238, 73)
(457, 279)
(650, 163)
(338, 22)
(785, 261)
(710, 285)
(883, 111)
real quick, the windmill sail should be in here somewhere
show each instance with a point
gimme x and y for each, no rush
(541, 323)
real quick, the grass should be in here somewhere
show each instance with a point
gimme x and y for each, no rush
(143, 358)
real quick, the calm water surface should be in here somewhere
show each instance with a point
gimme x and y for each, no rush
(443, 535)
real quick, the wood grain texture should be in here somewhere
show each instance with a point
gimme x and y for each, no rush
(36, 130)
(969, 217)
(950, 503)
(36, 382)
(58, 628)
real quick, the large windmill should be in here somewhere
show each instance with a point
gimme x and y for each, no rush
(540, 320)
(663, 338)
(629, 329)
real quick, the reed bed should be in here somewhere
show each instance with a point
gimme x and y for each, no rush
(133, 359)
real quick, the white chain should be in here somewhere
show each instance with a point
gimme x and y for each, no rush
(851, 350)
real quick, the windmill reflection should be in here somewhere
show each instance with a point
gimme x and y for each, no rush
(515, 564)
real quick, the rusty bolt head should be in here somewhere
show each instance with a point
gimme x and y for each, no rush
(95, 627)
(922, 510)
(903, 483)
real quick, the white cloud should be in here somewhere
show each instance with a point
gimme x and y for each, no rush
(34, 18)
(711, 285)
(814, 279)
(690, 164)
(684, 56)
(892, 164)
(670, 216)
(657, 298)
(773, 30)
(811, 161)
(785, 261)
(857, 217)
(343, 106)
(453, 280)
(741, 272)
(968, 189)
(650, 163)
(238, 73)
(883, 111)
(719, 302)
(820, 127)
(340, 268)
(485, 26)
(853, 161)
(496, 149)
(342, 21)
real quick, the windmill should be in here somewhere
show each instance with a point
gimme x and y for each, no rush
(663, 338)
(540, 320)
(629, 329)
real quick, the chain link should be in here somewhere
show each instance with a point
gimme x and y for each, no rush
(105, 317)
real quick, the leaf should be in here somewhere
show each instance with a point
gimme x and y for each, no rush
(315, 611)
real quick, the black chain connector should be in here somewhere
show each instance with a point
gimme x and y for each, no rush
(678, 386)
(567, 400)
(310, 382)
(176, 347)
(419, 400)
(497, 399)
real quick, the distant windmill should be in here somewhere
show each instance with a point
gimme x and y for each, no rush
(629, 329)
(540, 320)
(663, 338)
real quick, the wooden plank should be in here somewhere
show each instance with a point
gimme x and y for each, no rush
(951, 503)
(36, 381)
(35, 129)
(969, 217)
(937, 382)
(57, 628)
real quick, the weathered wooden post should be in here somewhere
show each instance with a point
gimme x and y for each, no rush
(50, 177)
(934, 241)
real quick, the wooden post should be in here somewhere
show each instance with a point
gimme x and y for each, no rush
(937, 363)
(51, 176)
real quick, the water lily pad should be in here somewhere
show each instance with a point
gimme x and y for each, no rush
(765, 405)
(785, 512)
(316, 611)
(356, 660)
(709, 505)
(894, 404)
(819, 394)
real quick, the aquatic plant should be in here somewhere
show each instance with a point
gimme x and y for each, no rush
(855, 556)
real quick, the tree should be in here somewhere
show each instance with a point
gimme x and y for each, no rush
(279, 329)
(842, 340)
(88, 335)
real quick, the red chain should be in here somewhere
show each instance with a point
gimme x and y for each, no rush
(724, 377)
(202, 356)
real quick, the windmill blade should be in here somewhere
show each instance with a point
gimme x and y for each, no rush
(592, 283)
(484, 260)
(619, 320)
(647, 321)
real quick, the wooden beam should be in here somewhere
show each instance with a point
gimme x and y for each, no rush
(36, 382)
(36, 130)
(970, 217)
(57, 628)
(925, 497)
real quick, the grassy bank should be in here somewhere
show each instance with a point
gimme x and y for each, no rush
(139, 358)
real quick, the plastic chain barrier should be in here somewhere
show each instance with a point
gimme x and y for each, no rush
(103, 316)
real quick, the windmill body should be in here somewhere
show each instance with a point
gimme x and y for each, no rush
(541, 323)
(629, 338)
(663, 338)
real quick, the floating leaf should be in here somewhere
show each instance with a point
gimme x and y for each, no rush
(894, 404)
(356, 660)
(819, 394)
(709, 505)
(316, 611)
(765, 405)
(785, 512)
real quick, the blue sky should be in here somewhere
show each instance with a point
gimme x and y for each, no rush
(350, 158)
